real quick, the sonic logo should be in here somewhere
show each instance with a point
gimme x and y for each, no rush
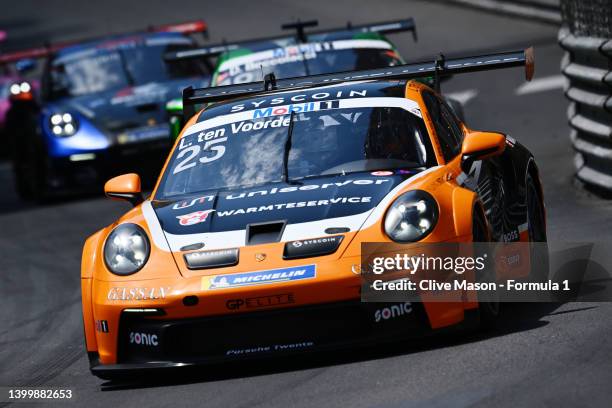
(194, 217)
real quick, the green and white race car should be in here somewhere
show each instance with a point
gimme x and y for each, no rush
(348, 48)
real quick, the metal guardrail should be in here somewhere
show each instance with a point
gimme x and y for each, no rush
(586, 36)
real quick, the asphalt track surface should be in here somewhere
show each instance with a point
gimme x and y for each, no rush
(542, 354)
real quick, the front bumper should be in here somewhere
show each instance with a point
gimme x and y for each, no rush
(149, 344)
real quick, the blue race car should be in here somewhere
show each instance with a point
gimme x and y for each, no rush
(101, 110)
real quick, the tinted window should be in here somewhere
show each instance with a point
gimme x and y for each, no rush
(117, 65)
(452, 120)
(306, 59)
(445, 127)
(336, 141)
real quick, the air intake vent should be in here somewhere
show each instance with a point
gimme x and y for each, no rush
(265, 232)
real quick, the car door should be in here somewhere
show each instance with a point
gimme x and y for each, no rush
(492, 179)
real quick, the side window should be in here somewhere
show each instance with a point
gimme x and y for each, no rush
(453, 121)
(445, 131)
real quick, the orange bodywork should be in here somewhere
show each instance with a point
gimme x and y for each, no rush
(165, 280)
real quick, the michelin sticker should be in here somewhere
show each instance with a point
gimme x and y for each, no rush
(259, 277)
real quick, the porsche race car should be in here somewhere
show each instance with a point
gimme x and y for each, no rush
(13, 85)
(101, 109)
(246, 248)
(348, 48)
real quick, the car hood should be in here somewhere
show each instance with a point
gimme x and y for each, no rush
(128, 107)
(221, 219)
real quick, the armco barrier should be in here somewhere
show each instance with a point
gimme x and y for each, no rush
(586, 35)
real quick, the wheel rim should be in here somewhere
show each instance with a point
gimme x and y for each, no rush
(479, 235)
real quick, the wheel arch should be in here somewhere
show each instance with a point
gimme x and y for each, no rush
(534, 172)
(465, 204)
(89, 257)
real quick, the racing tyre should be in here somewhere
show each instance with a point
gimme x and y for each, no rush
(18, 125)
(29, 170)
(21, 182)
(20, 153)
(537, 233)
(488, 304)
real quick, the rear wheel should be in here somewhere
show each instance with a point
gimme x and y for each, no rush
(29, 169)
(488, 303)
(21, 182)
(20, 156)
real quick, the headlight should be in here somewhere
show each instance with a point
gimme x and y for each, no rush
(411, 217)
(18, 88)
(63, 124)
(126, 249)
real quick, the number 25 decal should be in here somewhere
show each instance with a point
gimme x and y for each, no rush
(218, 150)
(192, 151)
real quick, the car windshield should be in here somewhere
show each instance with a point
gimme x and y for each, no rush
(241, 151)
(307, 59)
(120, 64)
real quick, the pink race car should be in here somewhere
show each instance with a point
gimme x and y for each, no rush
(13, 86)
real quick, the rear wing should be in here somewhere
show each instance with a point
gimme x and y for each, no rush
(386, 27)
(437, 68)
(191, 27)
(39, 52)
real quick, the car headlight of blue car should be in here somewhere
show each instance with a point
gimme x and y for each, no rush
(63, 124)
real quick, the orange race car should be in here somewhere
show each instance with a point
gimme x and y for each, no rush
(248, 245)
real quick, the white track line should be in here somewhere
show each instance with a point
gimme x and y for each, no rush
(542, 85)
(463, 96)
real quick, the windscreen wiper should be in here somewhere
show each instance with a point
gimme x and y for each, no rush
(124, 65)
(304, 61)
(288, 148)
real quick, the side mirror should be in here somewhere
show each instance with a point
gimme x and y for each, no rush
(125, 187)
(480, 145)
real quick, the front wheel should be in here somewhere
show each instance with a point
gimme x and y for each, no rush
(488, 303)
(536, 227)
(31, 181)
